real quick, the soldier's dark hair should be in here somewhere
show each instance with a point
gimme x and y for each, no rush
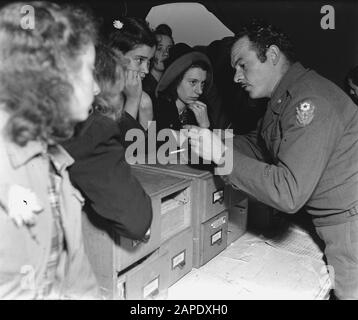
(262, 35)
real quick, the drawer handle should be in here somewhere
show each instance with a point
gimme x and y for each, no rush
(179, 260)
(151, 289)
(153, 294)
(218, 196)
(216, 238)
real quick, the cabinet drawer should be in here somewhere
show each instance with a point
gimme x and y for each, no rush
(180, 249)
(211, 239)
(149, 280)
(214, 196)
(175, 213)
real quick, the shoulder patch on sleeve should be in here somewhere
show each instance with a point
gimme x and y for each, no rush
(304, 113)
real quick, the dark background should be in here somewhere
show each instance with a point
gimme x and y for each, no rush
(330, 52)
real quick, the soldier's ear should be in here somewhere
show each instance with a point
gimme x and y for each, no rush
(273, 53)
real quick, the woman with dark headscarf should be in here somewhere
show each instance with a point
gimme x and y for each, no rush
(182, 89)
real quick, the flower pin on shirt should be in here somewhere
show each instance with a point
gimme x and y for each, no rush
(304, 113)
(23, 206)
(117, 24)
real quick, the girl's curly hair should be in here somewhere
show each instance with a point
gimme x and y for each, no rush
(34, 67)
(109, 73)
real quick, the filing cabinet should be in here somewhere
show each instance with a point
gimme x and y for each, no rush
(237, 221)
(146, 281)
(238, 214)
(209, 195)
(210, 239)
(171, 198)
(110, 253)
(180, 250)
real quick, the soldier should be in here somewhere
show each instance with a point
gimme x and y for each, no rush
(304, 152)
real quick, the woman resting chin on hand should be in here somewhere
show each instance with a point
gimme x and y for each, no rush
(182, 88)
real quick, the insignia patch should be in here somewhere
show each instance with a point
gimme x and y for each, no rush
(304, 113)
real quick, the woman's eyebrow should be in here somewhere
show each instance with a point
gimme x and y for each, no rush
(142, 57)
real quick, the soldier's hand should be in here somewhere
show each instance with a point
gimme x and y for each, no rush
(205, 143)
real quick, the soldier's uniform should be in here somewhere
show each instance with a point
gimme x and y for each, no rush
(305, 153)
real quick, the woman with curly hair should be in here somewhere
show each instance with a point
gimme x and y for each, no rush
(46, 86)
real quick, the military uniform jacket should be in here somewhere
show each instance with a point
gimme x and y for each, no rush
(305, 150)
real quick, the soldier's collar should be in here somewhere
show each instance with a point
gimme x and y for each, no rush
(286, 85)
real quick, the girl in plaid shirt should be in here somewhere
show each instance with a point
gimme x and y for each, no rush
(46, 85)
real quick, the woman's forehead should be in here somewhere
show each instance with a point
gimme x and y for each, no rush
(141, 50)
(195, 72)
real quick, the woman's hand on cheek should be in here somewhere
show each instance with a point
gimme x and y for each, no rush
(201, 114)
(133, 85)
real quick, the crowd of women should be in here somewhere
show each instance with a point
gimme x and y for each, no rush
(67, 99)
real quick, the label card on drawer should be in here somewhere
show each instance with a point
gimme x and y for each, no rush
(218, 196)
(178, 260)
(219, 222)
(121, 290)
(216, 237)
(152, 288)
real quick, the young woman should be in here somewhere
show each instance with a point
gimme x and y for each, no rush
(46, 85)
(182, 88)
(100, 170)
(165, 41)
(137, 42)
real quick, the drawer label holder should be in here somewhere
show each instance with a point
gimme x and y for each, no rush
(218, 196)
(151, 289)
(216, 238)
(178, 261)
